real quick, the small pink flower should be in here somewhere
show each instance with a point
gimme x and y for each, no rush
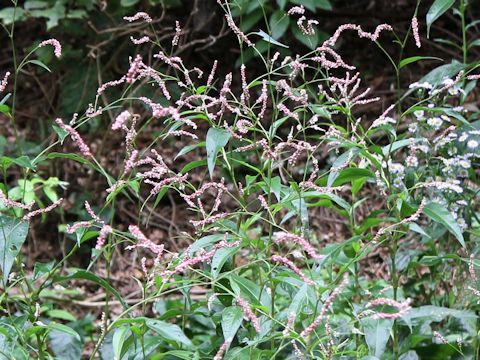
(4, 82)
(146, 243)
(416, 35)
(212, 73)
(56, 45)
(248, 313)
(42, 211)
(307, 247)
(9, 203)
(221, 352)
(138, 16)
(102, 237)
(237, 31)
(142, 40)
(293, 267)
(121, 120)
(300, 10)
(402, 307)
(326, 306)
(178, 32)
(109, 84)
(77, 139)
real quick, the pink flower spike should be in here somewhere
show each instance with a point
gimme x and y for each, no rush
(9, 203)
(49, 208)
(84, 149)
(121, 120)
(92, 213)
(307, 247)
(248, 313)
(326, 306)
(221, 352)
(4, 82)
(402, 307)
(241, 36)
(56, 45)
(102, 237)
(300, 10)
(293, 267)
(72, 228)
(416, 35)
(139, 15)
(142, 40)
(178, 32)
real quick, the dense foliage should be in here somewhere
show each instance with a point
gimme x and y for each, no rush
(258, 158)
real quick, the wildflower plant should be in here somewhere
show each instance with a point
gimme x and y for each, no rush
(257, 281)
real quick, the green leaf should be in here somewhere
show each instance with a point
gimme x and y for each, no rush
(24, 161)
(12, 236)
(323, 4)
(310, 41)
(269, 39)
(216, 140)
(169, 331)
(351, 174)
(281, 3)
(87, 275)
(41, 269)
(232, 318)
(220, 257)
(65, 343)
(118, 340)
(413, 59)
(441, 215)
(437, 75)
(61, 314)
(127, 3)
(438, 8)
(279, 22)
(62, 134)
(377, 333)
(40, 64)
(64, 329)
(189, 148)
(249, 290)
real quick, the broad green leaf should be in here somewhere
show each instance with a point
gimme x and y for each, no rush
(351, 174)
(65, 343)
(232, 318)
(250, 291)
(413, 59)
(438, 8)
(323, 4)
(169, 331)
(219, 259)
(62, 134)
(12, 236)
(40, 64)
(118, 340)
(216, 140)
(269, 39)
(189, 148)
(377, 333)
(441, 215)
(298, 300)
(24, 161)
(63, 329)
(127, 3)
(61, 314)
(437, 75)
(87, 275)
(279, 22)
